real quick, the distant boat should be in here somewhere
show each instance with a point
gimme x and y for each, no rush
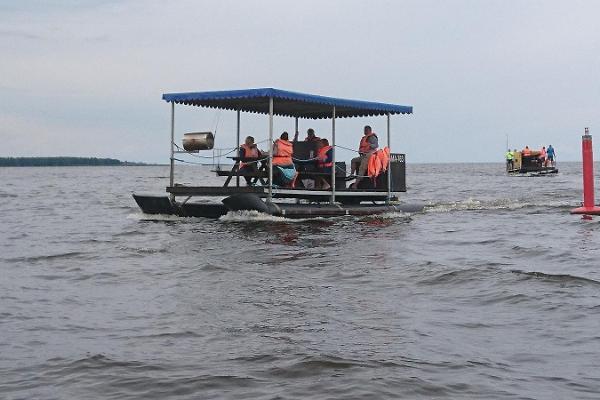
(530, 165)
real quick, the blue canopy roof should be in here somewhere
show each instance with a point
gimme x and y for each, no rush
(285, 103)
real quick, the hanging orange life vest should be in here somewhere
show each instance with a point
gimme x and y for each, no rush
(322, 157)
(378, 162)
(249, 152)
(284, 153)
(384, 157)
(365, 146)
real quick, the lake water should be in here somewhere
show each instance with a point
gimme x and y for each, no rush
(493, 292)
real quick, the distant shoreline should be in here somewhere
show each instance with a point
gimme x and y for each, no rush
(66, 162)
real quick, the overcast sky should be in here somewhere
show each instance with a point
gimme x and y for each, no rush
(85, 78)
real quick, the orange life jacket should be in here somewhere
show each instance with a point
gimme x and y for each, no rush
(378, 162)
(384, 157)
(284, 153)
(365, 146)
(322, 157)
(249, 152)
(526, 152)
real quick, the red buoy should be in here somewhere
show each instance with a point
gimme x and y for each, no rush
(587, 153)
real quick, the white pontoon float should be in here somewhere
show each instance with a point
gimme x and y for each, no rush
(373, 196)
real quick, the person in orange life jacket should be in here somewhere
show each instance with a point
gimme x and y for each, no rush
(284, 171)
(526, 152)
(310, 136)
(324, 164)
(249, 150)
(368, 145)
(542, 157)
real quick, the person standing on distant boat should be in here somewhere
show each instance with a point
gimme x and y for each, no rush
(542, 157)
(368, 145)
(550, 154)
(526, 152)
(510, 160)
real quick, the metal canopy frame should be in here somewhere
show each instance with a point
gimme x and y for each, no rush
(202, 99)
(288, 103)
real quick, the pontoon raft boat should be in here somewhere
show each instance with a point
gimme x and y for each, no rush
(375, 195)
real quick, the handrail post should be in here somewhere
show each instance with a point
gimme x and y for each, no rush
(333, 156)
(172, 170)
(270, 195)
(389, 169)
(238, 148)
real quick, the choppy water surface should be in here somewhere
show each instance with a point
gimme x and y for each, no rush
(491, 293)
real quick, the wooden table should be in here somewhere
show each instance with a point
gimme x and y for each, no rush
(261, 173)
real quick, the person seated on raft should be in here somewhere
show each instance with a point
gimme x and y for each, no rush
(324, 164)
(368, 145)
(250, 168)
(284, 171)
(310, 136)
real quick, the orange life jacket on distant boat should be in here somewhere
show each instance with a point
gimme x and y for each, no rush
(284, 153)
(322, 157)
(526, 152)
(365, 146)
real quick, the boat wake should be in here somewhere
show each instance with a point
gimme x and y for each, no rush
(140, 216)
(254, 216)
(472, 204)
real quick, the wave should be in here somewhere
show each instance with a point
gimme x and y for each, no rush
(112, 377)
(561, 278)
(140, 216)
(456, 276)
(70, 254)
(318, 365)
(182, 334)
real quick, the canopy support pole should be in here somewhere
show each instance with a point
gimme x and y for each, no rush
(237, 181)
(296, 127)
(389, 170)
(172, 170)
(333, 156)
(270, 196)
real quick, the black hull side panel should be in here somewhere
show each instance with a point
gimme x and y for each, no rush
(162, 205)
(251, 202)
(202, 210)
(154, 204)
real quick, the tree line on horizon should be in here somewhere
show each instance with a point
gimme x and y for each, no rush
(61, 162)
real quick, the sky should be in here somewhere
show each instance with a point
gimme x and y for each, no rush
(85, 78)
